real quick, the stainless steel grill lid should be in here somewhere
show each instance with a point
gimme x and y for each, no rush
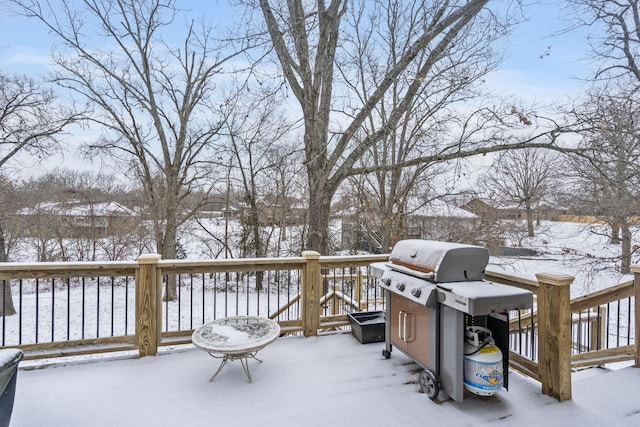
(439, 261)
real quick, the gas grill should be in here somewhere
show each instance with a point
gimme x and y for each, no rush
(435, 295)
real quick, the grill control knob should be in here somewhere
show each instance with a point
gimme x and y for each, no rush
(416, 292)
(400, 287)
(386, 281)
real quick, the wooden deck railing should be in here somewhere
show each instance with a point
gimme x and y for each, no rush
(563, 334)
(81, 308)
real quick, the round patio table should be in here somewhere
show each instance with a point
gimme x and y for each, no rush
(233, 338)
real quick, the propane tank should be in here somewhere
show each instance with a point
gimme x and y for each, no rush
(483, 374)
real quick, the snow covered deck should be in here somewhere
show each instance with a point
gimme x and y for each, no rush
(329, 380)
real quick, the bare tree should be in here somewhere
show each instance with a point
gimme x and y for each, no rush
(287, 187)
(309, 40)
(615, 39)
(31, 121)
(155, 100)
(7, 239)
(452, 85)
(522, 177)
(610, 182)
(254, 130)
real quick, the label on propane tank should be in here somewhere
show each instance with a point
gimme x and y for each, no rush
(483, 376)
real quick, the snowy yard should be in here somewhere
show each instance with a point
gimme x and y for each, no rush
(580, 250)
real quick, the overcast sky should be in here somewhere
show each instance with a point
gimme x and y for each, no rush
(540, 66)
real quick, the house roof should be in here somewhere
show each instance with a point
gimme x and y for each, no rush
(436, 208)
(75, 208)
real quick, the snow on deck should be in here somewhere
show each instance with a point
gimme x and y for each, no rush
(330, 380)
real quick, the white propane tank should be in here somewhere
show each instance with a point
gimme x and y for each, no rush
(483, 373)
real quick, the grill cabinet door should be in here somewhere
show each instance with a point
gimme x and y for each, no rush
(398, 310)
(413, 330)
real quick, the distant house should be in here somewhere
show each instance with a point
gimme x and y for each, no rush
(438, 220)
(276, 212)
(490, 210)
(549, 211)
(432, 220)
(219, 207)
(482, 208)
(75, 218)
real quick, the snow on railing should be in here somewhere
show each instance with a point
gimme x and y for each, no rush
(59, 309)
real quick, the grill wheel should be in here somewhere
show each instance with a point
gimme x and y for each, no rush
(429, 384)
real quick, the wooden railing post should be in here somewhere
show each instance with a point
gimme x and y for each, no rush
(636, 294)
(148, 305)
(311, 289)
(554, 334)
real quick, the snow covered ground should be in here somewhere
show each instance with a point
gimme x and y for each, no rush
(580, 250)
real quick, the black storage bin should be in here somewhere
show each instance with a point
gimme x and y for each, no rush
(368, 326)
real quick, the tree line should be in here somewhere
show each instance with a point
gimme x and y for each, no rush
(381, 99)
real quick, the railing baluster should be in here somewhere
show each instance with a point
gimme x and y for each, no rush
(629, 321)
(20, 313)
(247, 288)
(37, 310)
(237, 292)
(4, 310)
(112, 304)
(608, 324)
(126, 305)
(68, 308)
(179, 286)
(204, 287)
(98, 307)
(618, 326)
(226, 294)
(83, 306)
(166, 303)
(191, 301)
(53, 306)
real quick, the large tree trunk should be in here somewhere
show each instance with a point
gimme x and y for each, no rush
(615, 234)
(6, 298)
(625, 255)
(529, 213)
(168, 251)
(319, 214)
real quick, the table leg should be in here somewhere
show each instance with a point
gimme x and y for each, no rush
(244, 361)
(245, 365)
(224, 361)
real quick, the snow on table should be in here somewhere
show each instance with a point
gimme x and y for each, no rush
(240, 334)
